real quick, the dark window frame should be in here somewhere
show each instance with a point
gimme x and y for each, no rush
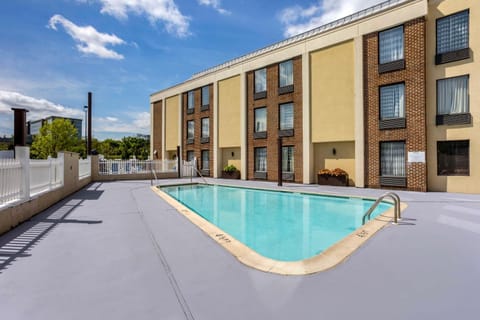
(453, 118)
(260, 94)
(391, 65)
(442, 168)
(290, 87)
(260, 134)
(192, 109)
(454, 55)
(205, 107)
(259, 174)
(391, 180)
(392, 123)
(204, 139)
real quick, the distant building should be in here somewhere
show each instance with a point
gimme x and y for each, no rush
(33, 127)
(143, 136)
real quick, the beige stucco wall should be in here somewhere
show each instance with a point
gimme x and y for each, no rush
(332, 93)
(470, 184)
(228, 158)
(344, 157)
(229, 113)
(172, 123)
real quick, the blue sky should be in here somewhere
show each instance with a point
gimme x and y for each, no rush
(52, 52)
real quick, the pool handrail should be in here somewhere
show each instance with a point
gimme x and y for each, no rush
(396, 201)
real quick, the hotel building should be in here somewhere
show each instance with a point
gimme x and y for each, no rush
(388, 94)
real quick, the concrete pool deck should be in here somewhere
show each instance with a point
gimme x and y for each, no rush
(115, 250)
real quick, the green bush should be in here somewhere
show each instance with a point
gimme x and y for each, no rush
(230, 168)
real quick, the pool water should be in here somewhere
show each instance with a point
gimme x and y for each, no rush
(280, 225)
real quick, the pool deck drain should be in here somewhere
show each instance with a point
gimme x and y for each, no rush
(98, 261)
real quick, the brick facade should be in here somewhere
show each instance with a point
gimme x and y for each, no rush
(199, 112)
(414, 134)
(157, 129)
(272, 102)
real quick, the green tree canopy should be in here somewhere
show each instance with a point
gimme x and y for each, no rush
(59, 135)
(133, 146)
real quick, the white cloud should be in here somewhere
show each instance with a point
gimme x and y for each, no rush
(89, 40)
(38, 109)
(216, 4)
(130, 122)
(135, 122)
(297, 19)
(165, 11)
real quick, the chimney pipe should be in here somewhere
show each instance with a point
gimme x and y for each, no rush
(20, 127)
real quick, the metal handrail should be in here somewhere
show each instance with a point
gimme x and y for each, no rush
(396, 201)
(199, 173)
(155, 176)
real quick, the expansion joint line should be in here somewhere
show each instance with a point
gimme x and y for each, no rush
(171, 277)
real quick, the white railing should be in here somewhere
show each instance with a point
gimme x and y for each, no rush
(84, 168)
(114, 167)
(45, 175)
(189, 168)
(10, 180)
(21, 178)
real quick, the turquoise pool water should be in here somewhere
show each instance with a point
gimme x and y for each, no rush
(279, 225)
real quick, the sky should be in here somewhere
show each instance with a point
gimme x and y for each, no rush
(53, 52)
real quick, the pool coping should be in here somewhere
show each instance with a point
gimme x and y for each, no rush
(329, 258)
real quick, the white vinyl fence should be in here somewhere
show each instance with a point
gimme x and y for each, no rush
(10, 180)
(21, 178)
(114, 167)
(45, 175)
(84, 168)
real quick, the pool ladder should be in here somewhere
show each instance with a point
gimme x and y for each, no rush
(199, 173)
(396, 201)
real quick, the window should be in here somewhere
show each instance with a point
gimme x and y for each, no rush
(453, 158)
(392, 159)
(260, 83)
(190, 131)
(287, 159)
(391, 45)
(261, 119)
(452, 38)
(205, 133)
(261, 159)
(286, 116)
(392, 164)
(452, 95)
(205, 97)
(392, 101)
(190, 155)
(205, 127)
(453, 101)
(285, 74)
(392, 106)
(205, 160)
(190, 101)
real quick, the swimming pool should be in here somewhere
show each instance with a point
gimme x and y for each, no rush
(282, 226)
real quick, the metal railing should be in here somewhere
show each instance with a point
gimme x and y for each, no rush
(396, 201)
(114, 167)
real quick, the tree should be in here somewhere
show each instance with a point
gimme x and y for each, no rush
(133, 146)
(59, 135)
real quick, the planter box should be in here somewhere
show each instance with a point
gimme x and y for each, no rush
(231, 175)
(329, 180)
